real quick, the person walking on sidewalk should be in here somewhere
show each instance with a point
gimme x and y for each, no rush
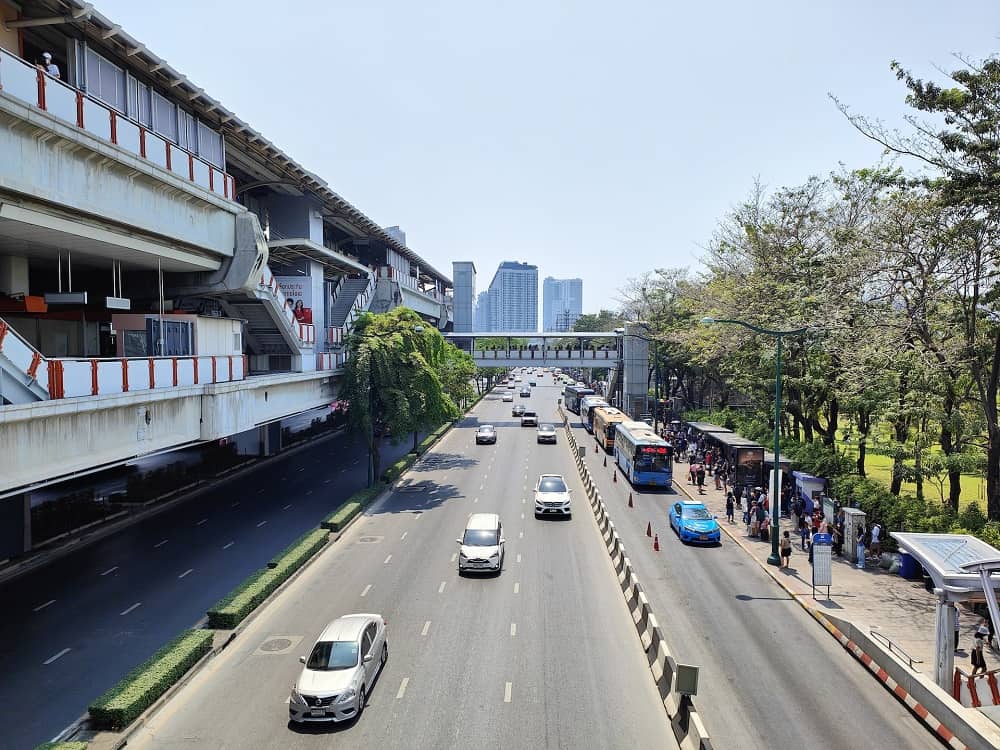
(786, 549)
(803, 531)
(875, 548)
(730, 507)
(978, 660)
(701, 480)
(860, 551)
(708, 461)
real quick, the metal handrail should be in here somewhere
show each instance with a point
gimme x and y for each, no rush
(894, 649)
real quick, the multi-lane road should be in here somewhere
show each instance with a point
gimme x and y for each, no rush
(73, 628)
(543, 655)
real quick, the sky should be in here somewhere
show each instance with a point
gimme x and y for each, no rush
(595, 140)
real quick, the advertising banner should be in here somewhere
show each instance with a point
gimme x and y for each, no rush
(298, 296)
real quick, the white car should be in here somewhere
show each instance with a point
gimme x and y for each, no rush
(481, 545)
(552, 496)
(508, 396)
(340, 671)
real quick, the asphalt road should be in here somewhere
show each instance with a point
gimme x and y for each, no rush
(542, 656)
(770, 677)
(73, 628)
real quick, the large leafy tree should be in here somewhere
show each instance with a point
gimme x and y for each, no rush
(393, 378)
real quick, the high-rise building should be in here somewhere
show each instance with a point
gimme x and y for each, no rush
(513, 298)
(562, 303)
(464, 278)
(483, 312)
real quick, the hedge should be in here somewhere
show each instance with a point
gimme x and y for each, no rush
(346, 512)
(232, 609)
(396, 470)
(304, 539)
(122, 704)
(62, 746)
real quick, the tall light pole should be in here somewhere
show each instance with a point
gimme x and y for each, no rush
(775, 557)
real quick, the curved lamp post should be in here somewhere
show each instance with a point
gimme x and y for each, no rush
(775, 558)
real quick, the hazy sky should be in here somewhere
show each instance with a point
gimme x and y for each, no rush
(598, 140)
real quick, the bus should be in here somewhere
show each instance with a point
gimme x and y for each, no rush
(587, 406)
(605, 420)
(572, 395)
(642, 455)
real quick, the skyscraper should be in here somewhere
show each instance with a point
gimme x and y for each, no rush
(464, 276)
(483, 312)
(562, 303)
(513, 298)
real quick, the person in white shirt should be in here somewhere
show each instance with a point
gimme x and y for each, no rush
(876, 546)
(50, 67)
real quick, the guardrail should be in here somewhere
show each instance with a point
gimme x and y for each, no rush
(24, 357)
(689, 731)
(329, 360)
(966, 688)
(894, 649)
(306, 332)
(27, 83)
(579, 354)
(73, 378)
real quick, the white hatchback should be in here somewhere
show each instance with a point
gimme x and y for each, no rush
(341, 670)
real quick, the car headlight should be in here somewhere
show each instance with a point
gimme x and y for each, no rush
(495, 556)
(463, 556)
(296, 697)
(347, 696)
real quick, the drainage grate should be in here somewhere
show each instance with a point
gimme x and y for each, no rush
(370, 539)
(276, 644)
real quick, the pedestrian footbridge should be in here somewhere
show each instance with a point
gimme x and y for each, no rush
(601, 349)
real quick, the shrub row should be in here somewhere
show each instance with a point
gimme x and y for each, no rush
(245, 598)
(122, 704)
(62, 746)
(396, 470)
(345, 513)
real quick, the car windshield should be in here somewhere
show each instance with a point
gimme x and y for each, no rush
(330, 655)
(480, 538)
(486, 429)
(696, 514)
(552, 484)
(546, 428)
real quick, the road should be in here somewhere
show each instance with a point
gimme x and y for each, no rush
(73, 628)
(771, 677)
(542, 656)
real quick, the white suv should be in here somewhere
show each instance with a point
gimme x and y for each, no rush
(482, 544)
(552, 496)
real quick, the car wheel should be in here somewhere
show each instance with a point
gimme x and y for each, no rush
(361, 703)
(385, 653)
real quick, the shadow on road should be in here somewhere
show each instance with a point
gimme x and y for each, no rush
(417, 497)
(440, 461)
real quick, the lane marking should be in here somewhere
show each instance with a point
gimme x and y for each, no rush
(524, 500)
(302, 468)
(187, 572)
(235, 504)
(522, 516)
(475, 500)
(441, 587)
(366, 590)
(109, 571)
(520, 535)
(56, 656)
(517, 587)
(284, 478)
(454, 556)
(513, 629)
(343, 470)
(287, 506)
(355, 462)
(326, 481)
(506, 693)
(201, 522)
(160, 544)
(387, 560)
(131, 609)
(402, 688)
(227, 546)
(40, 607)
(480, 488)
(427, 626)
(519, 558)
(309, 492)
(404, 535)
(261, 524)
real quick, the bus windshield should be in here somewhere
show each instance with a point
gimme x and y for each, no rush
(652, 458)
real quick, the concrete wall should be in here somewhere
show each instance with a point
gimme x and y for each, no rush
(61, 164)
(50, 439)
(293, 217)
(57, 338)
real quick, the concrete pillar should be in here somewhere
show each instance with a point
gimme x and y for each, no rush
(13, 274)
(26, 511)
(944, 642)
(15, 526)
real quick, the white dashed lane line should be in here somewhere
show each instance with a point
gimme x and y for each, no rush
(366, 590)
(160, 543)
(202, 522)
(40, 607)
(388, 559)
(109, 571)
(441, 587)
(513, 629)
(235, 504)
(506, 692)
(187, 572)
(519, 558)
(404, 535)
(261, 524)
(517, 588)
(131, 609)
(56, 656)
(287, 506)
(402, 688)
(427, 626)
(227, 546)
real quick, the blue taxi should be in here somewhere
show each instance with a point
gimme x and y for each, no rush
(694, 523)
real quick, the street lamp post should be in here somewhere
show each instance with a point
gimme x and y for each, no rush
(775, 557)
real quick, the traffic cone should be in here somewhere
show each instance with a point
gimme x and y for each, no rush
(630, 500)
(614, 476)
(605, 460)
(595, 447)
(656, 543)
(649, 528)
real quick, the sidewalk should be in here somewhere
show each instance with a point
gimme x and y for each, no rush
(872, 599)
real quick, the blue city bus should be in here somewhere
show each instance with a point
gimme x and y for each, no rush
(587, 406)
(642, 455)
(572, 395)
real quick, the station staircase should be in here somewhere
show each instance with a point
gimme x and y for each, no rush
(23, 370)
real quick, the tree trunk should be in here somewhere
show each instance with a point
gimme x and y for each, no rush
(993, 471)
(416, 441)
(948, 445)
(864, 427)
(376, 460)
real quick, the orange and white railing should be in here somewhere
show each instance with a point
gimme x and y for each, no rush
(337, 335)
(73, 378)
(578, 354)
(25, 360)
(981, 690)
(330, 360)
(305, 332)
(24, 81)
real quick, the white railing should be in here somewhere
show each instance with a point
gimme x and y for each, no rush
(330, 360)
(73, 378)
(584, 354)
(24, 81)
(306, 332)
(23, 356)
(337, 335)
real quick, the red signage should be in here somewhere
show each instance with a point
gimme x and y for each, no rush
(653, 449)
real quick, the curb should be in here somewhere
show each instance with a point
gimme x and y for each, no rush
(918, 710)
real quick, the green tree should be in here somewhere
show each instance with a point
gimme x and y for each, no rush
(457, 374)
(392, 378)
(604, 320)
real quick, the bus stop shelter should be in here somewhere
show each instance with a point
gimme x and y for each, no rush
(963, 568)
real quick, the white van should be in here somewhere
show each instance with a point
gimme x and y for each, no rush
(482, 544)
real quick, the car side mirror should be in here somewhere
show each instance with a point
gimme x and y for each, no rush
(502, 540)
(368, 658)
(715, 518)
(302, 659)
(458, 541)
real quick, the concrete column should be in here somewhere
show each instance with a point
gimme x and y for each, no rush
(944, 642)
(26, 509)
(13, 274)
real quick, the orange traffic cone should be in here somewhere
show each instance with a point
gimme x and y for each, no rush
(649, 528)
(656, 543)
(630, 500)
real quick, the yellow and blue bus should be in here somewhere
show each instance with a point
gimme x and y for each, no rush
(606, 418)
(642, 455)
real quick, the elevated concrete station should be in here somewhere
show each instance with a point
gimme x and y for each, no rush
(168, 276)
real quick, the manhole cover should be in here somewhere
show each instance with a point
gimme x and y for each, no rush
(370, 539)
(276, 644)
(420, 487)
